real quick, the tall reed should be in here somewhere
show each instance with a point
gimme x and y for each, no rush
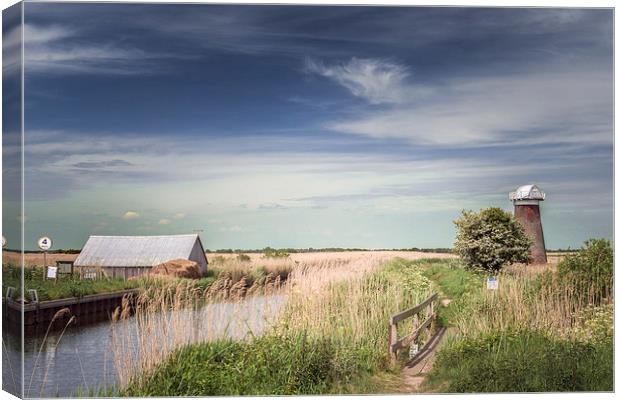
(525, 300)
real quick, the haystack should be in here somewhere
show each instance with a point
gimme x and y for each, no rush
(177, 269)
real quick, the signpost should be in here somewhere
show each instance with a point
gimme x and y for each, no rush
(52, 272)
(492, 283)
(45, 243)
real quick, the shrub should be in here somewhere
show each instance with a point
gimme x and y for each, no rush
(594, 324)
(244, 258)
(490, 239)
(274, 253)
(590, 270)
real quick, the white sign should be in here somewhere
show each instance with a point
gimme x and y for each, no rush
(51, 272)
(3, 241)
(44, 243)
(492, 283)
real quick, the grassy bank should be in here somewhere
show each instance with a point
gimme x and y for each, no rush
(64, 287)
(331, 339)
(226, 279)
(543, 330)
(523, 361)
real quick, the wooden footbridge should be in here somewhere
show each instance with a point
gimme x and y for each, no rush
(421, 352)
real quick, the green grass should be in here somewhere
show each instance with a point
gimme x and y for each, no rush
(455, 283)
(517, 360)
(525, 361)
(270, 364)
(65, 287)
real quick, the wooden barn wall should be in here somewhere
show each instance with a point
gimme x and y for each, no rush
(198, 256)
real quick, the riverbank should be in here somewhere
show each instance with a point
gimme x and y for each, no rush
(330, 338)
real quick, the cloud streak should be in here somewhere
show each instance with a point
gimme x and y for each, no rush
(56, 49)
(546, 106)
(376, 81)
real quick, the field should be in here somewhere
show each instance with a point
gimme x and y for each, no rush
(225, 271)
(551, 330)
(35, 259)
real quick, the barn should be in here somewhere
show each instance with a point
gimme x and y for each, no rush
(127, 256)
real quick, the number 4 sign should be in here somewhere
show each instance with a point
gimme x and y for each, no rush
(44, 243)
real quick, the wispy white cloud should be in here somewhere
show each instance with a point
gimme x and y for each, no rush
(376, 81)
(562, 104)
(55, 49)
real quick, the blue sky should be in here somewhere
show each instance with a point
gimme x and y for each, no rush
(312, 126)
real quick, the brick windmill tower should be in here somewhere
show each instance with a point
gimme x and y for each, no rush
(527, 212)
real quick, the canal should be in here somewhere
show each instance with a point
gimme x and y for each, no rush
(88, 357)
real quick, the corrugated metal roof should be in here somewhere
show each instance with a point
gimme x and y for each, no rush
(134, 251)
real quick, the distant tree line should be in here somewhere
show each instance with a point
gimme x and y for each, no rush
(58, 251)
(269, 250)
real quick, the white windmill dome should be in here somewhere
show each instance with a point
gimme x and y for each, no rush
(527, 192)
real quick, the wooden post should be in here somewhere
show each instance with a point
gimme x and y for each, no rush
(393, 338)
(434, 321)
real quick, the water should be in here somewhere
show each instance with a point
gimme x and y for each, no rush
(83, 356)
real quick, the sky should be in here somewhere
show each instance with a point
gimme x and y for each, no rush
(299, 126)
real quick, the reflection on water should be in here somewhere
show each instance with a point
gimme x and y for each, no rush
(83, 356)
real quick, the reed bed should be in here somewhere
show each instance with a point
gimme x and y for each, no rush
(541, 302)
(336, 303)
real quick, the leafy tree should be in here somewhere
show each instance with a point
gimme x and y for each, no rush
(491, 239)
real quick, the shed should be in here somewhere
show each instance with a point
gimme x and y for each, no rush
(128, 256)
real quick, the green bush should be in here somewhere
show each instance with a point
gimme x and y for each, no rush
(524, 361)
(590, 270)
(491, 239)
(275, 253)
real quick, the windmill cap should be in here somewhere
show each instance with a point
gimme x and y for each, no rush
(527, 192)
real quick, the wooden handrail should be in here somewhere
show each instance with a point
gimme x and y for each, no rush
(397, 344)
(396, 318)
(406, 340)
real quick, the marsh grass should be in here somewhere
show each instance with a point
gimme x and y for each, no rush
(331, 332)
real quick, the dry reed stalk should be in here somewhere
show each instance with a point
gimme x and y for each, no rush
(59, 314)
(343, 300)
(72, 319)
(8, 359)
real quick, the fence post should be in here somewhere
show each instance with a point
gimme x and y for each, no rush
(433, 316)
(392, 340)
